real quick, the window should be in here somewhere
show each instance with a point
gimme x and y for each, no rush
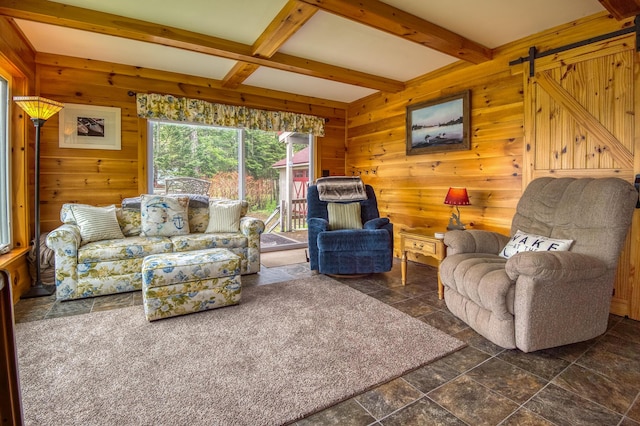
(5, 164)
(181, 150)
(214, 153)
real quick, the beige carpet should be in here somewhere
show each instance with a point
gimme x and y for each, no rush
(286, 351)
(283, 257)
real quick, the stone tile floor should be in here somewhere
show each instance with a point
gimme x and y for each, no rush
(590, 383)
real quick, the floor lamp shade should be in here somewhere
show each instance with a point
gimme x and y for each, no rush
(39, 110)
(37, 107)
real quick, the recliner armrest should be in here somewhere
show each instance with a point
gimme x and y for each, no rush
(554, 266)
(474, 241)
(376, 223)
(318, 223)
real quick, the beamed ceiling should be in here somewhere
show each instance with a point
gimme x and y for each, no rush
(334, 50)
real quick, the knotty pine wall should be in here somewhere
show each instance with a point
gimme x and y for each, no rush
(17, 64)
(411, 189)
(102, 177)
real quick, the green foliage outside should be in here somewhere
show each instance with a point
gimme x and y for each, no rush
(212, 153)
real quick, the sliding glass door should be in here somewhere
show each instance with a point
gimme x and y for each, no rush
(265, 168)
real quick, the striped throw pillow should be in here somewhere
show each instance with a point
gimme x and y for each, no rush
(224, 216)
(344, 216)
(96, 223)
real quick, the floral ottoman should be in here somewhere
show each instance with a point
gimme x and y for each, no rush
(185, 282)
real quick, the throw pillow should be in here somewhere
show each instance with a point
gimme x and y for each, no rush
(96, 223)
(521, 241)
(164, 216)
(224, 216)
(344, 216)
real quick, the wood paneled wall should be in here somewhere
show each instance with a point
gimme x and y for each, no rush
(101, 177)
(17, 62)
(411, 189)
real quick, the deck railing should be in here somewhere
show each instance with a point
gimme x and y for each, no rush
(298, 215)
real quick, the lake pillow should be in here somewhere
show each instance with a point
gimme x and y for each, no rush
(521, 241)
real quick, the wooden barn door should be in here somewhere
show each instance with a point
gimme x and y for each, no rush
(580, 110)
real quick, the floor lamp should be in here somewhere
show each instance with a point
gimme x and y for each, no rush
(39, 110)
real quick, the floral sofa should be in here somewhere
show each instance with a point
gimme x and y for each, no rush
(99, 250)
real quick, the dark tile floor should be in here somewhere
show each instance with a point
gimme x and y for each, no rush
(590, 383)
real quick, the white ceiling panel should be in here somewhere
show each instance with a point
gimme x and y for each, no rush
(284, 81)
(83, 44)
(339, 41)
(239, 20)
(494, 23)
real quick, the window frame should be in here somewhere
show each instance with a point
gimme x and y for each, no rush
(6, 219)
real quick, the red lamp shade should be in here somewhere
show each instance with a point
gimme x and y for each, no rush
(457, 197)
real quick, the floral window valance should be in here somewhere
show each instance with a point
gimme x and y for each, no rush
(166, 107)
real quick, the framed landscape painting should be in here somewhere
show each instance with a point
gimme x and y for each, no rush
(89, 127)
(439, 125)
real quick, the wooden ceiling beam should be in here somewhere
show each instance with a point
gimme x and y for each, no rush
(59, 14)
(289, 20)
(622, 9)
(238, 74)
(395, 21)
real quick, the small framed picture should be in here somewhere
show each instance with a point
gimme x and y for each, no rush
(439, 125)
(89, 127)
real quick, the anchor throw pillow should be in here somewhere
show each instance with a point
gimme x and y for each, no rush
(164, 216)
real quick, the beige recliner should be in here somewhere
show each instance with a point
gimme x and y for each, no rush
(520, 298)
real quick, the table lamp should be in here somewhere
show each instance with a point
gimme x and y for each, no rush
(456, 197)
(39, 110)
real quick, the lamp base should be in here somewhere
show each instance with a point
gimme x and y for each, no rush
(39, 291)
(454, 223)
(456, 228)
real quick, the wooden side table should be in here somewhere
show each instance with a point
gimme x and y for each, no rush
(422, 243)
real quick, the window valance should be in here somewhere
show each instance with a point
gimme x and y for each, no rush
(167, 107)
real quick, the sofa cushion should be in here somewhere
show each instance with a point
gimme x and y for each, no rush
(522, 241)
(344, 216)
(125, 248)
(195, 200)
(198, 218)
(198, 213)
(96, 223)
(226, 240)
(164, 216)
(224, 216)
(129, 220)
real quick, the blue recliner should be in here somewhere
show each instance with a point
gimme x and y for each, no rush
(349, 251)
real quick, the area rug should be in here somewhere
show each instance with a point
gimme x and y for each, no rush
(283, 257)
(288, 350)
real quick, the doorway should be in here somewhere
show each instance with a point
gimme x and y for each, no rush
(270, 170)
